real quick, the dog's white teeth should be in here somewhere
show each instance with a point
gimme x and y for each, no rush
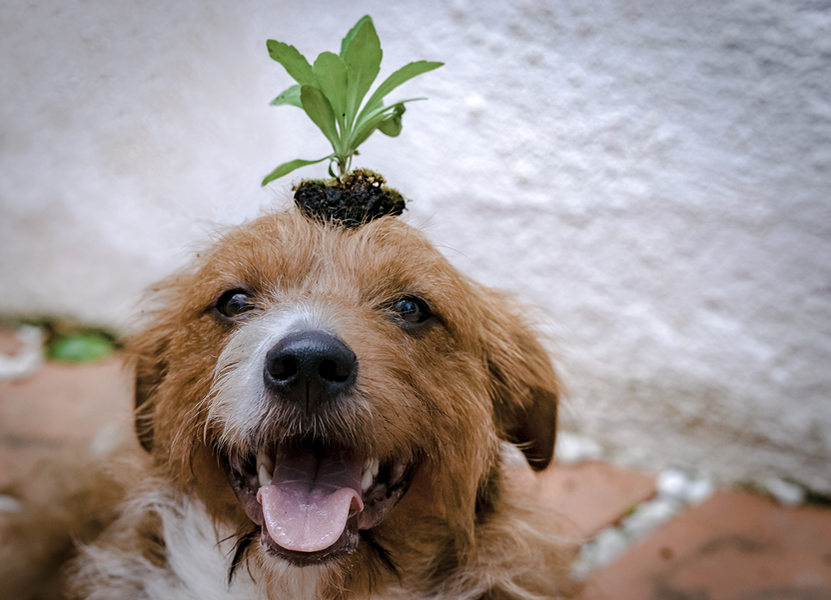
(366, 482)
(264, 476)
(265, 467)
(371, 466)
(264, 459)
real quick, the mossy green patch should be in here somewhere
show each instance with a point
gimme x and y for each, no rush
(80, 347)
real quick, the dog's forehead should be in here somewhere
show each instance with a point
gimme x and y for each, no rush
(288, 252)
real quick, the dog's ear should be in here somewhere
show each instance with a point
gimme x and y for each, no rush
(523, 386)
(148, 353)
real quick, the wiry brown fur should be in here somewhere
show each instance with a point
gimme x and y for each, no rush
(444, 397)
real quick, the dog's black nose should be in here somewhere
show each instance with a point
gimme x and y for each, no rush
(310, 367)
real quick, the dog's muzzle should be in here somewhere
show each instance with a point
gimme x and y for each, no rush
(312, 492)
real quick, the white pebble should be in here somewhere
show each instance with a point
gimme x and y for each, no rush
(699, 490)
(786, 493)
(673, 482)
(602, 550)
(676, 483)
(28, 358)
(650, 515)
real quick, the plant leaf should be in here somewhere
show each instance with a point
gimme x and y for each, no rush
(290, 96)
(375, 116)
(330, 72)
(363, 61)
(345, 43)
(402, 75)
(371, 122)
(295, 63)
(290, 166)
(391, 126)
(320, 112)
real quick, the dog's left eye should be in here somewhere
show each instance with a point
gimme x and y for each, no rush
(412, 310)
(234, 303)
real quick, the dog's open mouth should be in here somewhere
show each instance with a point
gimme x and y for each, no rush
(311, 499)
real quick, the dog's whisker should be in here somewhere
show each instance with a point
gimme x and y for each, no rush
(240, 549)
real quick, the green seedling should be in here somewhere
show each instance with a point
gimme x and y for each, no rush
(332, 92)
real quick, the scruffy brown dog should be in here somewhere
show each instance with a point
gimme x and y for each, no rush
(325, 413)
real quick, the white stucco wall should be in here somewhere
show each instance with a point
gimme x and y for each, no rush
(655, 176)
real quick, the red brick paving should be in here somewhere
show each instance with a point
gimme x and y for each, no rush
(59, 404)
(735, 546)
(594, 494)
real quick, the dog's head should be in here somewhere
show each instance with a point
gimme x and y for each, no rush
(332, 392)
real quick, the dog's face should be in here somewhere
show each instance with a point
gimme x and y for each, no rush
(338, 396)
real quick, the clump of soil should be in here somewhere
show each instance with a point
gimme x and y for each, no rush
(349, 200)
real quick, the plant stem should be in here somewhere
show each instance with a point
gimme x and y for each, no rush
(344, 163)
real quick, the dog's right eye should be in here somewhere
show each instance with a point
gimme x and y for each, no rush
(412, 310)
(234, 303)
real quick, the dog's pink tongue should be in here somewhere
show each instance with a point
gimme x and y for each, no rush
(310, 499)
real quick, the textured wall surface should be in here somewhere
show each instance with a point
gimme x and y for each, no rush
(654, 176)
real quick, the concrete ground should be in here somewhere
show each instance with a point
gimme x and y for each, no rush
(735, 545)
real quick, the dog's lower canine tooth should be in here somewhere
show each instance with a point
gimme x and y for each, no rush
(264, 460)
(366, 481)
(263, 475)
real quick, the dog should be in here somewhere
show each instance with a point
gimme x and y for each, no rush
(330, 412)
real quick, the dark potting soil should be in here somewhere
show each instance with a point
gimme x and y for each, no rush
(350, 200)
